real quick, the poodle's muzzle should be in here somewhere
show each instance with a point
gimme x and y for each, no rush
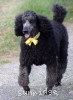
(27, 29)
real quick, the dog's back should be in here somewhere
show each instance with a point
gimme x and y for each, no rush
(59, 29)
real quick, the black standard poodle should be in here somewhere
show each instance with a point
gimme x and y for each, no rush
(43, 41)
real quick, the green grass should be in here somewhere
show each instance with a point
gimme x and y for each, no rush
(44, 7)
(10, 8)
(4, 62)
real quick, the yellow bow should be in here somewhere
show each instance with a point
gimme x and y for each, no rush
(33, 40)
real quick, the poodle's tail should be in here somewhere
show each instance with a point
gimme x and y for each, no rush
(59, 13)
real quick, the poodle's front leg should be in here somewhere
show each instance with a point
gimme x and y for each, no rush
(23, 78)
(51, 77)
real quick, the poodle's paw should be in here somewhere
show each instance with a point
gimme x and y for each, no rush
(27, 89)
(58, 84)
(48, 92)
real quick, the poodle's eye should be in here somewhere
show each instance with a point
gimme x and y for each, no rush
(31, 21)
(24, 21)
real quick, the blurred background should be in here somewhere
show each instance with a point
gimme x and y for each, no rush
(9, 43)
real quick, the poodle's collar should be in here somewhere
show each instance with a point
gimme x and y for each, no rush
(33, 40)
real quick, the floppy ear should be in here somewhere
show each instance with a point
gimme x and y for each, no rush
(18, 25)
(45, 25)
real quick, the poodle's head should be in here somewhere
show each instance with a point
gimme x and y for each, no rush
(30, 27)
(26, 24)
(29, 24)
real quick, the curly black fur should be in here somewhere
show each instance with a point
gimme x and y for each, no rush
(51, 49)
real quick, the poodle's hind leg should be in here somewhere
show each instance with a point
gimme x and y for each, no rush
(23, 78)
(62, 60)
(51, 77)
(60, 71)
(29, 69)
(58, 82)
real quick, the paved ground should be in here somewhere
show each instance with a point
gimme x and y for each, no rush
(10, 90)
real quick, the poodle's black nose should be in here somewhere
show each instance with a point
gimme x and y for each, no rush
(25, 31)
